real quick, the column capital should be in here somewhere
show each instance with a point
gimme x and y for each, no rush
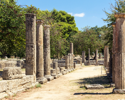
(47, 26)
(30, 14)
(119, 15)
(113, 25)
(39, 21)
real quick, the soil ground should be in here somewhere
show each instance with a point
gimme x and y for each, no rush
(71, 87)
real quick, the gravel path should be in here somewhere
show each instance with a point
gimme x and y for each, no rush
(63, 88)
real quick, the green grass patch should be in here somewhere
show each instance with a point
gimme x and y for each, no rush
(38, 85)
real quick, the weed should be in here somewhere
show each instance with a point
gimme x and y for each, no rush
(38, 85)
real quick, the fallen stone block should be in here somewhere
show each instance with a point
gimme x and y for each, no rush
(94, 86)
(12, 73)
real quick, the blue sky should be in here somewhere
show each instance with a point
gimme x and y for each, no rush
(86, 12)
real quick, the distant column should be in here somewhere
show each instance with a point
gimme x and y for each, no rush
(47, 52)
(67, 62)
(106, 57)
(71, 48)
(100, 56)
(31, 45)
(88, 56)
(39, 45)
(83, 56)
(96, 57)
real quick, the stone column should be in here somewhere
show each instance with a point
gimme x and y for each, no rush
(70, 62)
(73, 61)
(83, 57)
(88, 56)
(55, 66)
(47, 52)
(100, 56)
(67, 62)
(113, 54)
(96, 57)
(39, 53)
(31, 45)
(106, 57)
(120, 53)
(71, 48)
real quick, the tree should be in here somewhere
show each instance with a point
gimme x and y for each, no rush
(12, 37)
(118, 8)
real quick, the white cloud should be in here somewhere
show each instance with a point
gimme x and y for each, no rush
(70, 13)
(77, 15)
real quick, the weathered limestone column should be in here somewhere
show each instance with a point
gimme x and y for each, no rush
(71, 48)
(67, 62)
(39, 54)
(106, 57)
(73, 61)
(88, 56)
(70, 61)
(31, 45)
(96, 57)
(113, 54)
(55, 66)
(100, 56)
(83, 57)
(47, 52)
(120, 53)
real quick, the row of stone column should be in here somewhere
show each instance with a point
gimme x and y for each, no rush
(96, 56)
(37, 64)
(37, 59)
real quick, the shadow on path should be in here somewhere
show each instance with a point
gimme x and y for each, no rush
(103, 80)
(92, 93)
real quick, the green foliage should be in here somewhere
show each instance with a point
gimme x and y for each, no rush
(12, 29)
(118, 8)
(88, 38)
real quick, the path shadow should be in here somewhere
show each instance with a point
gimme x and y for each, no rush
(103, 80)
(92, 93)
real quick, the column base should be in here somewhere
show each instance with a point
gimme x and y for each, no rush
(118, 91)
(49, 77)
(112, 85)
(69, 70)
(63, 73)
(42, 80)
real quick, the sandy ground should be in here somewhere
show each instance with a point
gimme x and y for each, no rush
(68, 87)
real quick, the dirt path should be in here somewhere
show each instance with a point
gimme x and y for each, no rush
(70, 87)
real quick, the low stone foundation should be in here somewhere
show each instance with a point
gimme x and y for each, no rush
(11, 87)
(12, 63)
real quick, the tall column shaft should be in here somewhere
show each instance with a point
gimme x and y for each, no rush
(120, 51)
(113, 54)
(39, 46)
(47, 49)
(31, 44)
